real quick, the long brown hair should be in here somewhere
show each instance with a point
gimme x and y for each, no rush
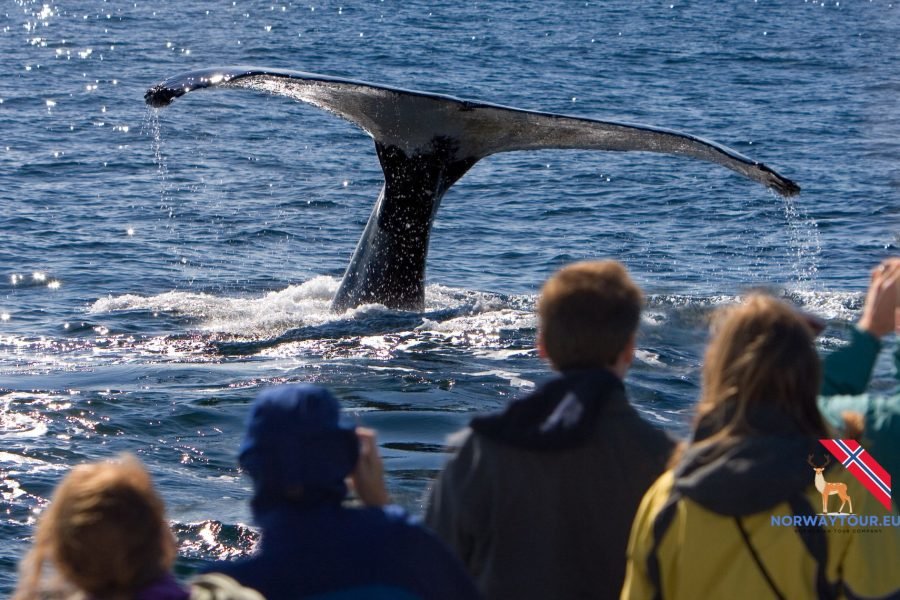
(761, 357)
(104, 532)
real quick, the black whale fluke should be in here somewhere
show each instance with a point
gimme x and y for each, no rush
(425, 143)
(159, 96)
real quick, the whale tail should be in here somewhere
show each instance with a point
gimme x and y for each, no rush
(425, 143)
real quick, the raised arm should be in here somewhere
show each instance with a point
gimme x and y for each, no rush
(847, 370)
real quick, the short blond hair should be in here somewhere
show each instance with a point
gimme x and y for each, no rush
(104, 532)
(588, 312)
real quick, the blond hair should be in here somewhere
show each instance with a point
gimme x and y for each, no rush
(104, 532)
(761, 356)
(588, 313)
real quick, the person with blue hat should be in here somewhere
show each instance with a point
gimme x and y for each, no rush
(299, 455)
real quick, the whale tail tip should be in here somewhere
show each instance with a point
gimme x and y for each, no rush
(160, 96)
(786, 187)
(779, 183)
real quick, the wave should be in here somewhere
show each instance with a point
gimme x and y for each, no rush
(302, 312)
(214, 540)
(298, 321)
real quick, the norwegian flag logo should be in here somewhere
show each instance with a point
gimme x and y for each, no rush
(863, 466)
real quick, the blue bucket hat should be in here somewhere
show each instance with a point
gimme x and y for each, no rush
(296, 444)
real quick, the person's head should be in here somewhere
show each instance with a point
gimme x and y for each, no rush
(104, 532)
(588, 316)
(296, 449)
(760, 363)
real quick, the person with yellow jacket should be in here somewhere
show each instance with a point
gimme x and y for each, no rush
(738, 516)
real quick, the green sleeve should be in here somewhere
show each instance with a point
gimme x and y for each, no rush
(848, 369)
(882, 425)
(833, 407)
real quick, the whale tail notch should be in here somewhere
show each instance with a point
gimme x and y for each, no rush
(425, 143)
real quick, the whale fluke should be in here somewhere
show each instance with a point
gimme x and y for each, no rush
(425, 143)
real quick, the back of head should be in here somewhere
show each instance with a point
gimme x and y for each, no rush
(588, 313)
(104, 532)
(761, 369)
(296, 449)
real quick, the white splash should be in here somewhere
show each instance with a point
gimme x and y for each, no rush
(309, 304)
(804, 242)
(276, 312)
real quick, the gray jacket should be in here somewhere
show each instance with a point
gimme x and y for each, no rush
(538, 502)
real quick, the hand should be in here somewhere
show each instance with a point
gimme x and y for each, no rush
(367, 477)
(880, 310)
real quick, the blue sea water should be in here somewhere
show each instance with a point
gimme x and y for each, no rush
(157, 269)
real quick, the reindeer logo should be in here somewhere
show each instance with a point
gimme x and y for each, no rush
(829, 489)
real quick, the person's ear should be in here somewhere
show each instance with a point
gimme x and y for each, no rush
(626, 356)
(631, 347)
(539, 343)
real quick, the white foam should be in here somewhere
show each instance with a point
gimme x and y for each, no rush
(655, 415)
(844, 306)
(830, 305)
(391, 369)
(11, 458)
(308, 304)
(505, 354)
(480, 330)
(277, 311)
(24, 423)
(649, 358)
(477, 321)
(514, 379)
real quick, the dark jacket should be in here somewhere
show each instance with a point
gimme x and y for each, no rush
(298, 453)
(538, 502)
(330, 548)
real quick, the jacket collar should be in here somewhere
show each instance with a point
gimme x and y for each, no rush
(559, 415)
(749, 474)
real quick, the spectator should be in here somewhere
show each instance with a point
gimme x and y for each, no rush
(709, 528)
(105, 536)
(298, 454)
(538, 500)
(848, 370)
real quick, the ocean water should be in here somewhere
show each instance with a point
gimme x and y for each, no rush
(160, 268)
